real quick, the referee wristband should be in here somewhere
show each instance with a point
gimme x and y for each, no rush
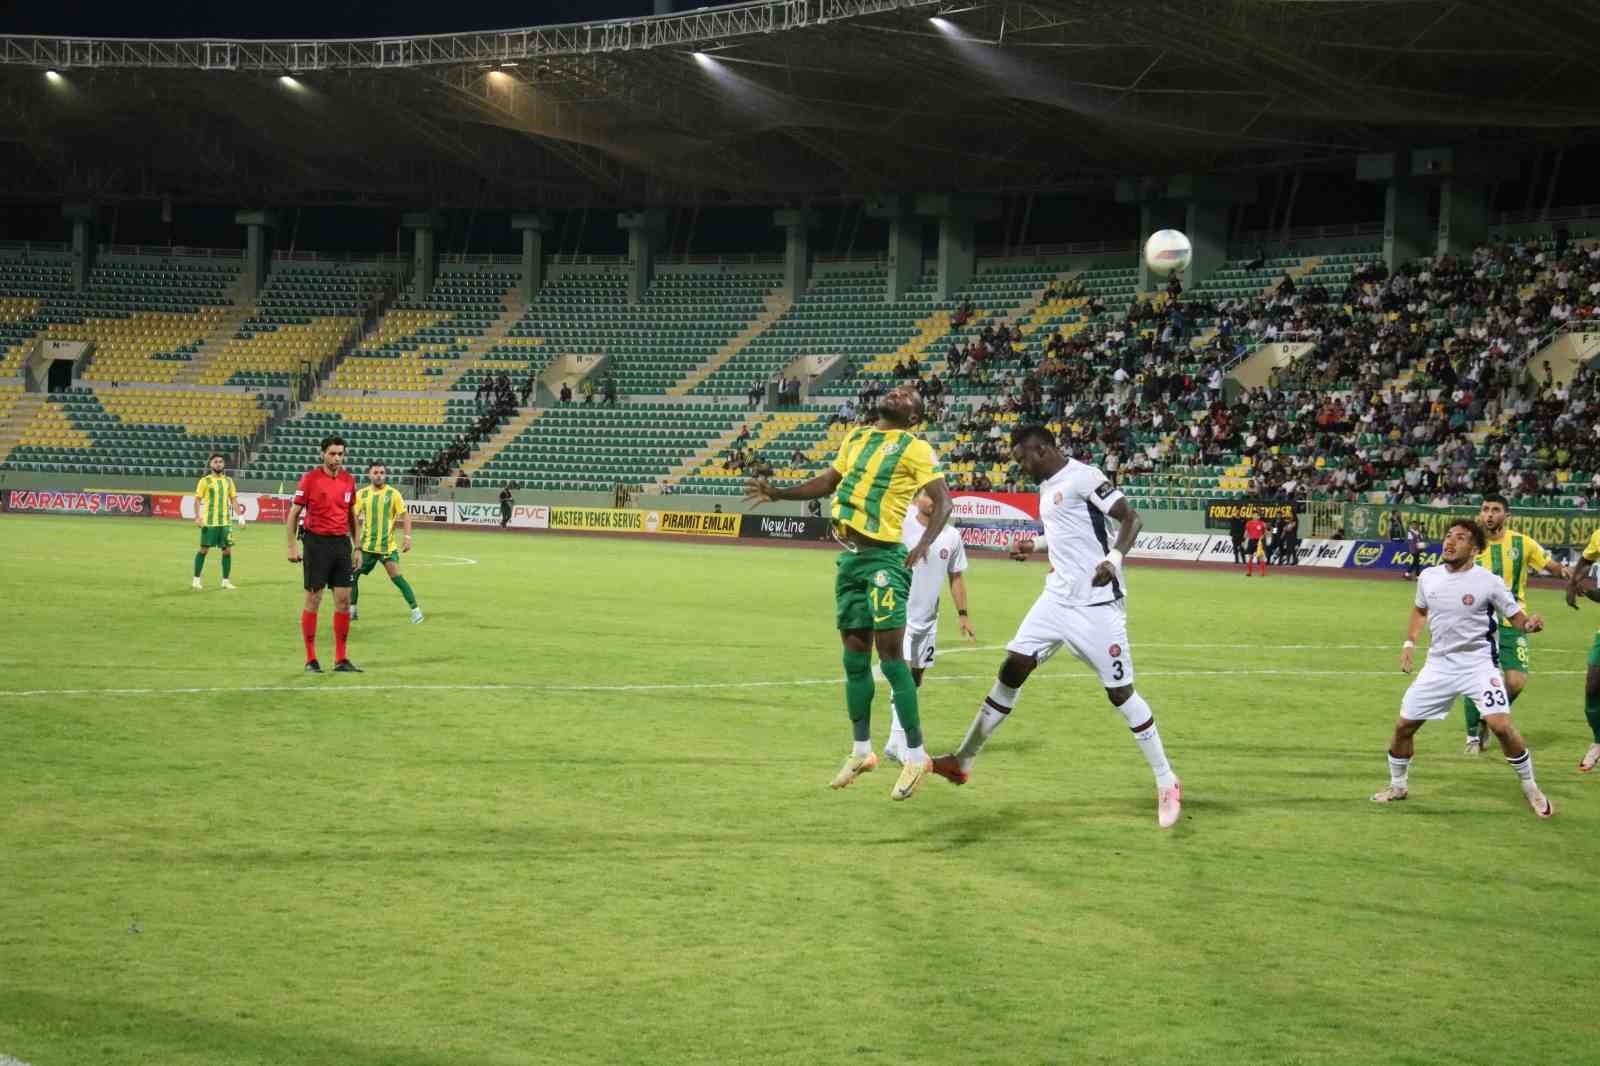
(1114, 557)
(961, 612)
(1409, 644)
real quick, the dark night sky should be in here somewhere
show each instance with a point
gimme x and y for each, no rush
(303, 18)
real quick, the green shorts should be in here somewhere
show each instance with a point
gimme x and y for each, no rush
(372, 559)
(1594, 653)
(871, 588)
(1513, 649)
(216, 536)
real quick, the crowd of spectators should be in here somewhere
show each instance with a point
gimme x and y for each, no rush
(1132, 393)
(501, 405)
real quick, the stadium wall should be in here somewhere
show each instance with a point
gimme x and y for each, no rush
(1177, 520)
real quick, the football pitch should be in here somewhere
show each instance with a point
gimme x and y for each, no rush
(580, 815)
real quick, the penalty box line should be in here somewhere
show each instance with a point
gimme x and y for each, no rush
(1075, 677)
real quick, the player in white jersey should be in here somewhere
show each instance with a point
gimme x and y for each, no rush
(946, 556)
(1459, 601)
(1082, 607)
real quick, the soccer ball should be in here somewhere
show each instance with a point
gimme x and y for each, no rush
(1167, 252)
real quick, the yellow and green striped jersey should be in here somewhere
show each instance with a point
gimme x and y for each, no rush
(880, 472)
(378, 510)
(1512, 558)
(213, 499)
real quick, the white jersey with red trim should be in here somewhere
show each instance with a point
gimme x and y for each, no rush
(1074, 506)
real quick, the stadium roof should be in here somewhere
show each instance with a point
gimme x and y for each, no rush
(790, 100)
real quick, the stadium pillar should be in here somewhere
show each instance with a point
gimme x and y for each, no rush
(796, 223)
(533, 228)
(1406, 229)
(424, 255)
(1463, 216)
(644, 230)
(257, 249)
(958, 250)
(905, 243)
(82, 217)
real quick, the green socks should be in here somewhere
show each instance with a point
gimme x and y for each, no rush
(1591, 711)
(227, 565)
(199, 562)
(400, 583)
(898, 674)
(1473, 717)
(858, 693)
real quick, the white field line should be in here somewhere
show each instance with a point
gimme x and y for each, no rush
(335, 689)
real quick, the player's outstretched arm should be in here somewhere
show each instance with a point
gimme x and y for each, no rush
(1528, 623)
(1419, 617)
(1575, 581)
(760, 490)
(958, 594)
(943, 505)
(405, 526)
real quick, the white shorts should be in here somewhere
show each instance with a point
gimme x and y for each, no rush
(1097, 635)
(1439, 685)
(919, 646)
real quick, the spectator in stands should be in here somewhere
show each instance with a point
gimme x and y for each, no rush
(566, 392)
(527, 390)
(587, 388)
(797, 459)
(610, 389)
(462, 480)
(753, 397)
(845, 415)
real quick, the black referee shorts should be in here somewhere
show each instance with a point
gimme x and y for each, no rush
(326, 561)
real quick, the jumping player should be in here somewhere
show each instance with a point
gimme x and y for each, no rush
(214, 496)
(878, 470)
(1510, 556)
(378, 508)
(1459, 600)
(948, 556)
(1591, 680)
(326, 494)
(1082, 607)
(1255, 535)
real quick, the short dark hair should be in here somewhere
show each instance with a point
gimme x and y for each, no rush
(377, 462)
(1495, 497)
(1033, 431)
(215, 455)
(330, 440)
(1480, 539)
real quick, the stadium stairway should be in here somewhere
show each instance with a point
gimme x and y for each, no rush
(777, 303)
(476, 357)
(212, 344)
(707, 455)
(510, 431)
(18, 409)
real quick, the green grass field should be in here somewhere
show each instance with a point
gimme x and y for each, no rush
(580, 816)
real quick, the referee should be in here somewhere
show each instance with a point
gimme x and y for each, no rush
(326, 494)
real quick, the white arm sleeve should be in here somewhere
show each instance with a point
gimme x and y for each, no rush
(1421, 599)
(1504, 602)
(958, 557)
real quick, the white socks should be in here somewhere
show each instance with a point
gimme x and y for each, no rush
(1002, 697)
(1523, 765)
(1398, 771)
(861, 747)
(1137, 713)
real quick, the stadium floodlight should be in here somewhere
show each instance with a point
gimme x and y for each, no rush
(944, 26)
(507, 64)
(53, 77)
(291, 83)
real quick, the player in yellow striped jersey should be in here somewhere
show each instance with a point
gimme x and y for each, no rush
(378, 509)
(878, 471)
(1576, 586)
(214, 497)
(1512, 557)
